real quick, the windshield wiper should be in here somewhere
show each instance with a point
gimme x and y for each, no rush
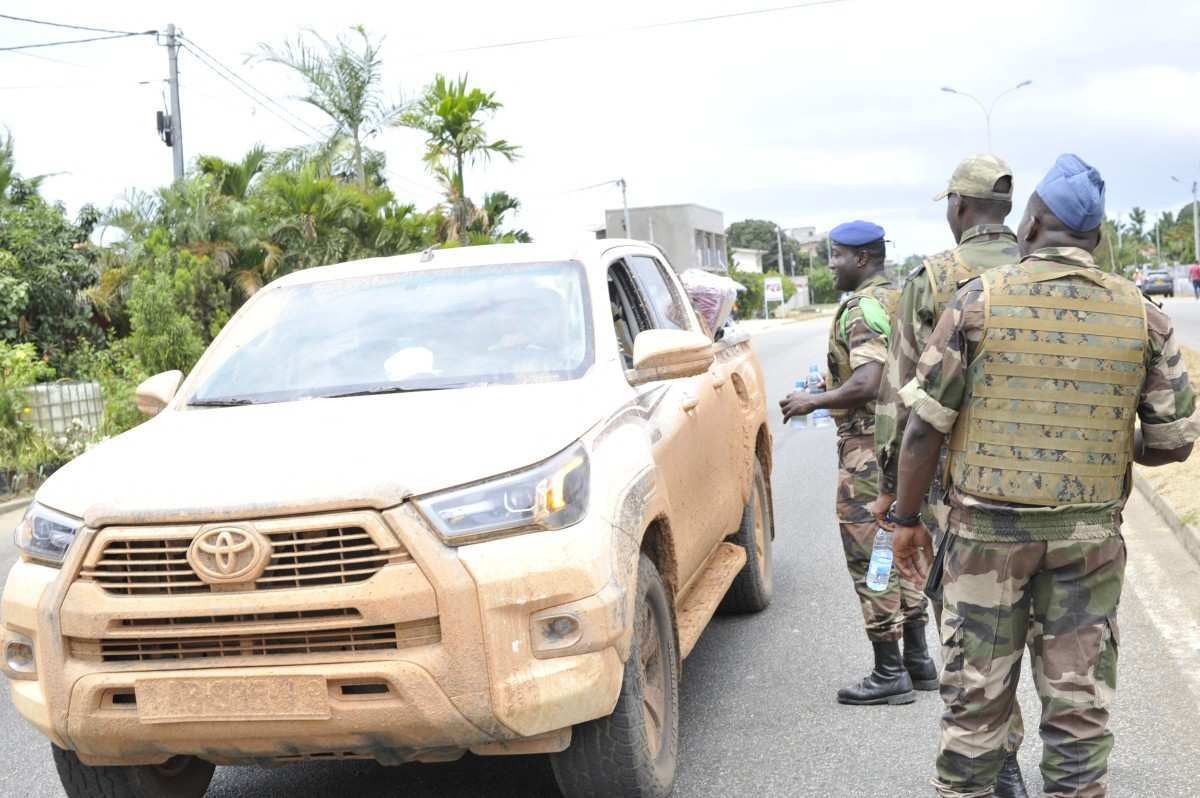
(381, 389)
(234, 402)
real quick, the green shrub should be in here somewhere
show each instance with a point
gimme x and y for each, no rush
(22, 447)
(119, 373)
(750, 302)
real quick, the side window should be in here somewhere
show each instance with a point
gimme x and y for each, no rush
(629, 316)
(661, 295)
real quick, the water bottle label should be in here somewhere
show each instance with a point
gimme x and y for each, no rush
(880, 570)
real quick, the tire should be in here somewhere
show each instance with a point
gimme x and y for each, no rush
(178, 777)
(752, 587)
(627, 753)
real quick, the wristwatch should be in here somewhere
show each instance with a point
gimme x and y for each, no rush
(892, 518)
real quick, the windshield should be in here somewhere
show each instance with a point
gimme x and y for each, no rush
(424, 330)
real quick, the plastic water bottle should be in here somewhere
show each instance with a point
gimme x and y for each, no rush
(799, 422)
(880, 569)
(821, 417)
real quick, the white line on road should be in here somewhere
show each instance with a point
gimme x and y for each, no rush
(1166, 581)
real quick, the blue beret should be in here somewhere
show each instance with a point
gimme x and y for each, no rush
(1074, 192)
(856, 233)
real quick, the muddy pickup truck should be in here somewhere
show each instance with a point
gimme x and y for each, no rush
(481, 499)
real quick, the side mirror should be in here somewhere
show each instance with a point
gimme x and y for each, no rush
(154, 394)
(669, 354)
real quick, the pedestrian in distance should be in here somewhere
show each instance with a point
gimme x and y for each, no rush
(1194, 276)
(978, 200)
(858, 341)
(1039, 373)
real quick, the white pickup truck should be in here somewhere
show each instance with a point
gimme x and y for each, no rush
(480, 499)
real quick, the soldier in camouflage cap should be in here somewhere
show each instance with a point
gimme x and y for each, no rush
(857, 348)
(978, 199)
(1039, 372)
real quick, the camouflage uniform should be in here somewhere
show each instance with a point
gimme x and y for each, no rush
(1047, 571)
(926, 294)
(859, 335)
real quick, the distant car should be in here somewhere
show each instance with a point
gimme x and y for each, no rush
(1158, 281)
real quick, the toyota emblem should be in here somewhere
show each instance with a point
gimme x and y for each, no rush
(228, 555)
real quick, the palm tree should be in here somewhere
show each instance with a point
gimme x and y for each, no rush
(233, 179)
(6, 164)
(452, 117)
(1137, 223)
(343, 80)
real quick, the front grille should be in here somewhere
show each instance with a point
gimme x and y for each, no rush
(307, 616)
(352, 639)
(306, 558)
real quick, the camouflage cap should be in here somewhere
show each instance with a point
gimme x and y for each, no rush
(976, 177)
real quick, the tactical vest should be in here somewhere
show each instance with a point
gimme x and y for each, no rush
(1053, 389)
(858, 420)
(946, 272)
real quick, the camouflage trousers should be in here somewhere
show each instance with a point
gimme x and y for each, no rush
(858, 479)
(935, 514)
(1059, 598)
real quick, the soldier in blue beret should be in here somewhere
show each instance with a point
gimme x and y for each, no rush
(858, 344)
(1050, 378)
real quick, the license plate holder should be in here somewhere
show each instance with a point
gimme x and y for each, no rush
(232, 698)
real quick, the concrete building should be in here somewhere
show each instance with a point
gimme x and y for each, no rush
(692, 236)
(748, 260)
(810, 241)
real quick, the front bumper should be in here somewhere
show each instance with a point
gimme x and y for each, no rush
(463, 666)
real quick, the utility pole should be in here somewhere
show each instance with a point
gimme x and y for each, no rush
(176, 124)
(779, 248)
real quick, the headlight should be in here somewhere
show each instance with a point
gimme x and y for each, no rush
(550, 495)
(45, 534)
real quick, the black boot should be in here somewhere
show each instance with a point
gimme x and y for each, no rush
(920, 667)
(888, 683)
(1010, 783)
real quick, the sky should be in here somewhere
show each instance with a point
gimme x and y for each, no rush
(808, 116)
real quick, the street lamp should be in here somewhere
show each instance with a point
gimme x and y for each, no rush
(987, 109)
(1195, 222)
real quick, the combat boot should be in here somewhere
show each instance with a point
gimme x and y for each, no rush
(888, 683)
(1010, 783)
(917, 662)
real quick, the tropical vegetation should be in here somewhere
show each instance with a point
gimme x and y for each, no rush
(142, 287)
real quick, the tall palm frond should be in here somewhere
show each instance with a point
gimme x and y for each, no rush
(343, 80)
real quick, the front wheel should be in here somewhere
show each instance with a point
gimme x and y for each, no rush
(633, 752)
(178, 777)
(753, 586)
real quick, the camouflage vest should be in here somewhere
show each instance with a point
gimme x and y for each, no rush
(1052, 391)
(858, 420)
(946, 272)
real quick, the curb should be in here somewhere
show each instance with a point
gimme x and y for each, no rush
(15, 502)
(1187, 534)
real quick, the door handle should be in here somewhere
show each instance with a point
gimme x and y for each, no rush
(718, 379)
(689, 402)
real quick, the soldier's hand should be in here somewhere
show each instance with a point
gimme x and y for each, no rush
(798, 403)
(912, 549)
(880, 506)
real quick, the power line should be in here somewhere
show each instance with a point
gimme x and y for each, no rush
(634, 28)
(75, 41)
(65, 25)
(216, 71)
(246, 87)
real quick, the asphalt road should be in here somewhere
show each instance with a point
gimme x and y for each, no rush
(758, 710)
(1184, 311)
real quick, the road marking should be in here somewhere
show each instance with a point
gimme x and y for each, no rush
(1170, 593)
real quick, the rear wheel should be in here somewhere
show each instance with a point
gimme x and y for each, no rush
(178, 777)
(752, 587)
(633, 752)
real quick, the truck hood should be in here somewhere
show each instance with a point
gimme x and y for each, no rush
(322, 454)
